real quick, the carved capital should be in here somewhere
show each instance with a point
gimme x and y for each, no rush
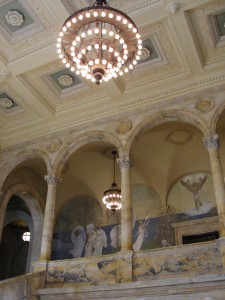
(125, 163)
(164, 210)
(211, 142)
(52, 179)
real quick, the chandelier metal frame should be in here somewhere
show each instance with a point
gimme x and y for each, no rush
(99, 42)
(112, 197)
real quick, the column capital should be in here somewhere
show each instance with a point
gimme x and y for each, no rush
(52, 179)
(211, 141)
(124, 163)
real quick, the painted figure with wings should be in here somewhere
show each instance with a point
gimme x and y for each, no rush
(195, 187)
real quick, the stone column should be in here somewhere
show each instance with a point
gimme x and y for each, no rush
(126, 210)
(212, 145)
(47, 233)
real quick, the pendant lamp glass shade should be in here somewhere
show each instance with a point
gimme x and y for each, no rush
(112, 197)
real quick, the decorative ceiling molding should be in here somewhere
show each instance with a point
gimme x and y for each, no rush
(200, 18)
(126, 6)
(85, 93)
(169, 64)
(39, 34)
(158, 96)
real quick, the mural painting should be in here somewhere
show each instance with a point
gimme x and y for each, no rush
(79, 232)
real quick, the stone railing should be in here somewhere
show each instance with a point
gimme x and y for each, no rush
(165, 263)
(22, 287)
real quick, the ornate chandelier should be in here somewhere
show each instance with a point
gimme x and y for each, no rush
(112, 197)
(99, 42)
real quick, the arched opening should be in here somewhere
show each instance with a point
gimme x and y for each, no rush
(26, 184)
(220, 131)
(164, 157)
(81, 215)
(14, 250)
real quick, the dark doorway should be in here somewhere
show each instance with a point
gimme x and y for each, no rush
(202, 237)
(13, 252)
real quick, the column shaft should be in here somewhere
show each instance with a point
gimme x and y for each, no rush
(47, 233)
(126, 210)
(212, 144)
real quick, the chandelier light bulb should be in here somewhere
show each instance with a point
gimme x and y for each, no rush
(104, 31)
(100, 42)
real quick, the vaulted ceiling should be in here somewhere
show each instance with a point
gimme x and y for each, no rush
(184, 47)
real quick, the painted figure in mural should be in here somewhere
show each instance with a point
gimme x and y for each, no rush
(78, 238)
(141, 234)
(101, 241)
(96, 240)
(164, 243)
(195, 187)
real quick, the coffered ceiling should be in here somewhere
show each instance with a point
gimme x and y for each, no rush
(184, 45)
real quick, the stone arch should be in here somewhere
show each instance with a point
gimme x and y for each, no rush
(20, 157)
(163, 117)
(216, 116)
(36, 207)
(80, 141)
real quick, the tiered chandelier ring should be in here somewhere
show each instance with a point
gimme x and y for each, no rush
(99, 43)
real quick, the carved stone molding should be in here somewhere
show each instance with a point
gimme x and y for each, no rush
(124, 126)
(204, 105)
(211, 142)
(173, 7)
(55, 145)
(14, 18)
(4, 75)
(52, 179)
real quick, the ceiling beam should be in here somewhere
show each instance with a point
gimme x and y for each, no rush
(31, 99)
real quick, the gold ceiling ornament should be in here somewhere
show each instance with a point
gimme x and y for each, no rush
(99, 42)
